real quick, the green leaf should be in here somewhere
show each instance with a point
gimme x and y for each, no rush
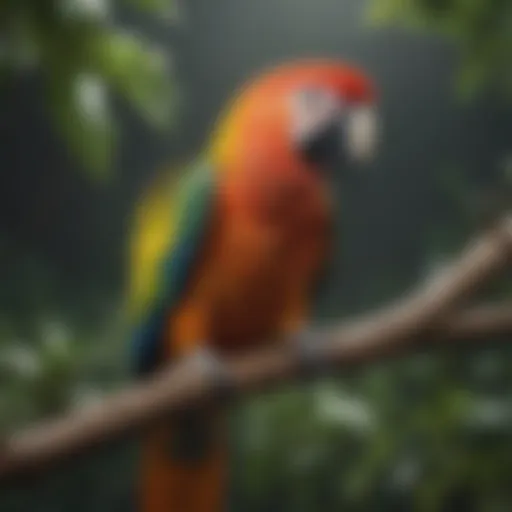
(85, 10)
(167, 10)
(472, 77)
(393, 12)
(139, 71)
(80, 106)
(480, 28)
(383, 12)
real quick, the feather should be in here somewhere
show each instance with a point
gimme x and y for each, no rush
(173, 245)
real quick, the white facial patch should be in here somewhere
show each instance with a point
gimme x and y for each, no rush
(362, 133)
(312, 110)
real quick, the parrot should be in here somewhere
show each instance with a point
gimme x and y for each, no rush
(228, 250)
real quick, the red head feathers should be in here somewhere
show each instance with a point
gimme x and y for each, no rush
(289, 117)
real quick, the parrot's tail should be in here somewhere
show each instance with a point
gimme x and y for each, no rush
(184, 466)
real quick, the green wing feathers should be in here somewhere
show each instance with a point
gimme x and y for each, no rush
(170, 226)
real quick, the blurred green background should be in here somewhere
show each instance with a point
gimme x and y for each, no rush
(96, 95)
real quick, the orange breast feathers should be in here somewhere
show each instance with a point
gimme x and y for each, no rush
(269, 241)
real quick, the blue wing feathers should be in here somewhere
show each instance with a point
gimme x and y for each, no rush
(176, 268)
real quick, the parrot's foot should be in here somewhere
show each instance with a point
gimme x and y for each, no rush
(311, 346)
(195, 432)
(208, 363)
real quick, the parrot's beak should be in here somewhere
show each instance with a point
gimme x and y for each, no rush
(361, 134)
(347, 140)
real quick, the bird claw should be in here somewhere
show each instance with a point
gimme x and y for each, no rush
(209, 364)
(192, 435)
(310, 344)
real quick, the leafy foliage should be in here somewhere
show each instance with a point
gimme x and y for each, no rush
(428, 433)
(482, 30)
(83, 57)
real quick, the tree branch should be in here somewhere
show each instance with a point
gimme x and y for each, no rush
(406, 326)
(484, 321)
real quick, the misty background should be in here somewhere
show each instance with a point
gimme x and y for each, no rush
(444, 163)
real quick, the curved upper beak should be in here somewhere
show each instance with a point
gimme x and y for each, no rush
(339, 137)
(344, 139)
(361, 135)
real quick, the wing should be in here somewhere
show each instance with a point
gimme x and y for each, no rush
(171, 227)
